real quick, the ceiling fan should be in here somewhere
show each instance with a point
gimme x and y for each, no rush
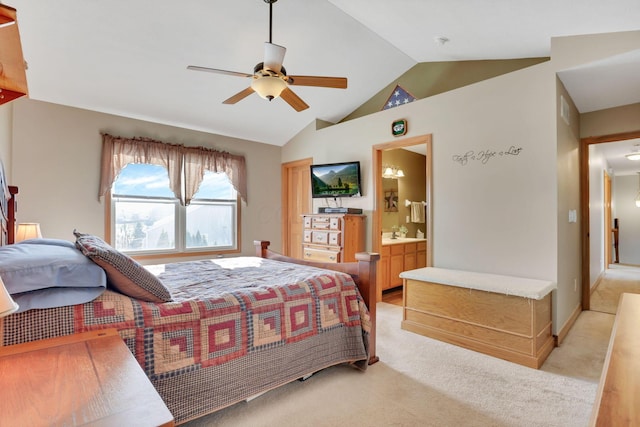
(270, 79)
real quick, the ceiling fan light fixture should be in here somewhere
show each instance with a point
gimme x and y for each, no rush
(268, 87)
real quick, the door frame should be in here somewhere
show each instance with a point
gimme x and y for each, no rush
(584, 204)
(378, 207)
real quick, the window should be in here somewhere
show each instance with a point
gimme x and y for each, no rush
(147, 218)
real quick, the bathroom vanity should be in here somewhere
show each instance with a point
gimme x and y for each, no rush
(398, 255)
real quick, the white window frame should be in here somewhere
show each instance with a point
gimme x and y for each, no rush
(180, 228)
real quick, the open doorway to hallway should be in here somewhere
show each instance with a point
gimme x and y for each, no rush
(610, 184)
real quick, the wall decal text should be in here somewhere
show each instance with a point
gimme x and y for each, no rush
(484, 156)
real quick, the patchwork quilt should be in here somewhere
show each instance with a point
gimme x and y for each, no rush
(235, 328)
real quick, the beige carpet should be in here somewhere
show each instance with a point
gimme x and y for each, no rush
(616, 280)
(424, 382)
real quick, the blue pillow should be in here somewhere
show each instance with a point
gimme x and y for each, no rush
(45, 273)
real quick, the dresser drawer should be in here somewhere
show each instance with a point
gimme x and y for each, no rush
(307, 220)
(320, 255)
(334, 239)
(334, 223)
(320, 237)
(307, 236)
(325, 223)
(320, 222)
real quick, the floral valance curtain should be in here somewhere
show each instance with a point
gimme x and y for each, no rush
(184, 164)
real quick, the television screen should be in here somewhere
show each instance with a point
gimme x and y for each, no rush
(335, 180)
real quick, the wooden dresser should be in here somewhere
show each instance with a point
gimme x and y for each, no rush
(332, 237)
(83, 379)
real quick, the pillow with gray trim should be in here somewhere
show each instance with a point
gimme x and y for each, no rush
(124, 274)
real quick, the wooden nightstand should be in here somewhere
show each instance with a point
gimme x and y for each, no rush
(89, 378)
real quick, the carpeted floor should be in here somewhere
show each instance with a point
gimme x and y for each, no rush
(424, 382)
(616, 280)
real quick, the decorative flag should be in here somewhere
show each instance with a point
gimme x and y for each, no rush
(399, 96)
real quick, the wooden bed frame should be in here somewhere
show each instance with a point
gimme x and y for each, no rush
(8, 208)
(363, 272)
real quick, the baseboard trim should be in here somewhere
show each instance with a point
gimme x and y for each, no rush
(597, 282)
(562, 334)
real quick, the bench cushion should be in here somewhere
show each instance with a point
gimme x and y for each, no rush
(508, 285)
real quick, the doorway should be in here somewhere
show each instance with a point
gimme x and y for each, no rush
(296, 201)
(425, 144)
(602, 274)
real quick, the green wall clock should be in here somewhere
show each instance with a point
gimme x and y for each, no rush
(399, 127)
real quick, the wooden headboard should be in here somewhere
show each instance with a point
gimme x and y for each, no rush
(8, 208)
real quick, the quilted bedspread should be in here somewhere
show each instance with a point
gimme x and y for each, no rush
(236, 327)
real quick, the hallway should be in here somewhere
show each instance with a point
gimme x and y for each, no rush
(614, 282)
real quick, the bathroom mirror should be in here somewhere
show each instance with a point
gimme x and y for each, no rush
(390, 214)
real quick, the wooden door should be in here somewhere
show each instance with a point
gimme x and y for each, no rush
(296, 200)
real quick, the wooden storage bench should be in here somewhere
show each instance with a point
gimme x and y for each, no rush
(502, 316)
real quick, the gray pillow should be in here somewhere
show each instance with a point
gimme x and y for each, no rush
(46, 273)
(124, 274)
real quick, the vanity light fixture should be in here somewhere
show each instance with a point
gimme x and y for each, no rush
(392, 172)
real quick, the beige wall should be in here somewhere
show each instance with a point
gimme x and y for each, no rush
(503, 216)
(474, 229)
(569, 243)
(610, 121)
(56, 155)
(598, 165)
(626, 211)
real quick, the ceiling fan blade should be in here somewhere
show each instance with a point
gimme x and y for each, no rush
(273, 56)
(216, 71)
(334, 82)
(294, 100)
(239, 96)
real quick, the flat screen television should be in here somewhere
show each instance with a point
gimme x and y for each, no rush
(335, 180)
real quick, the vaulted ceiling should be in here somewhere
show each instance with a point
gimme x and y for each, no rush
(130, 58)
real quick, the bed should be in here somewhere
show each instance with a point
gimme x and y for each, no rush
(228, 329)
